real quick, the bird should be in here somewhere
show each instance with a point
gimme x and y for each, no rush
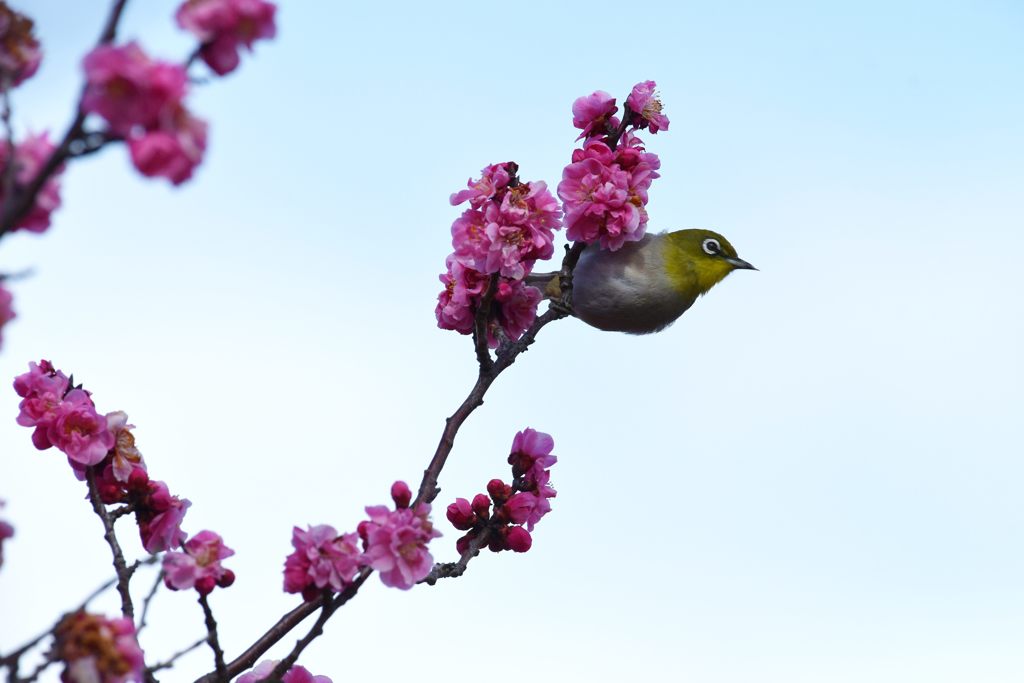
(645, 286)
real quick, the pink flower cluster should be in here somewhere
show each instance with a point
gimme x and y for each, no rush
(19, 50)
(199, 565)
(30, 155)
(142, 101)
(6, 310)
(66, 417)
(296, 674)
(525, 502)
(6, 531)
(224, 26)
(323, 560)
(507, 228)
(604, 190)
(394, 543)
(95, 649)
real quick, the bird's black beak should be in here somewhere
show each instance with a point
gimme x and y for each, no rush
(738, 263)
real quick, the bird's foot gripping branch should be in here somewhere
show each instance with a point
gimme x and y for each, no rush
(508, 227)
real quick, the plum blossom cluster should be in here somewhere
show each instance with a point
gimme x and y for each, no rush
(604, 190)
(64, 416)
(392, 542)
(507, 228)
(19, 50)
(225, 26)
(95, 649)
(199, 565)
(296, 674)
(6, 310)
(28, 159)
(6, 531)
(142, 101)
(521, 504)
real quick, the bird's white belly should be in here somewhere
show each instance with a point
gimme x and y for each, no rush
(626, 290)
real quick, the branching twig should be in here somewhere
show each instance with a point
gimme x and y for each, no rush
(211, 638)
(451, 570)
(148, 599)
(124, 573)
(169, 662)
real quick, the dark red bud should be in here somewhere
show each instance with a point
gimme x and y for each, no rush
(226, 579)
(518, 539)
(496, 543)
(462, 544)
(205, 584)
(363, 530)
(482, 506)
(401, 494)
(460, 514)
(499, 491)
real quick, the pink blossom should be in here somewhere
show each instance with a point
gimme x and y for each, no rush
(461, 514)
(30, 155)
(223, 26)
(593, 113)
(644, 101)
(125, 457)
(396, 544)
(79, 431)
(95, 649)
(493, 179)
(199, 566)
(6, 531)
(42, 389)
(456, 304)
(517, 309)
(296, 674)
(600, 202)
(158, 514)
(6, 311)
(531, 455)
(172, 151)
(323, 559)
(128, 88)
(19, 50)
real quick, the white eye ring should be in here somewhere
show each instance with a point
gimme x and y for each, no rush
(711, 246)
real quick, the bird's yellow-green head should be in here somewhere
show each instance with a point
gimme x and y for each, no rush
(697, 260)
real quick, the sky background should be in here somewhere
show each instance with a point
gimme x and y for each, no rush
(815, 475)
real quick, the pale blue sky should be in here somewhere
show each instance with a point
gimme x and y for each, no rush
(814, 476)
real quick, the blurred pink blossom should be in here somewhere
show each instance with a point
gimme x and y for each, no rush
(296, 674)
(172, 151)
(79, 431)
(6, 310)
(223, 26)
(95, 649)
(199, 565)
(20, 54)
(30, 155)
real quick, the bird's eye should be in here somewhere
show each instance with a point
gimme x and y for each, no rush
(711, 246)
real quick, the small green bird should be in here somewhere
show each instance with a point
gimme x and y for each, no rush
(646, 285)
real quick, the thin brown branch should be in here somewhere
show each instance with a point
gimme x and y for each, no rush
(170, 661)
(483, 312)
(451, 570)
(124, 573)
(149, 599)
(213, 641)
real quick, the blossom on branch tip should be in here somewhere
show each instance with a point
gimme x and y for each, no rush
(593, 113)
(224, 26)
(395, 543)
(20, 54)
(172, 151)
(296, 674)
(323, 559)
(95, 649)
(644, 102)
(79, 431)
(199, 565)
(129, 89)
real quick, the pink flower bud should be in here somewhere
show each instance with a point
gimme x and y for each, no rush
(462, 545)
(460, 514)
(401, 494)
(518, 539)
(499, 491)
(226, 579)
(482, 506)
